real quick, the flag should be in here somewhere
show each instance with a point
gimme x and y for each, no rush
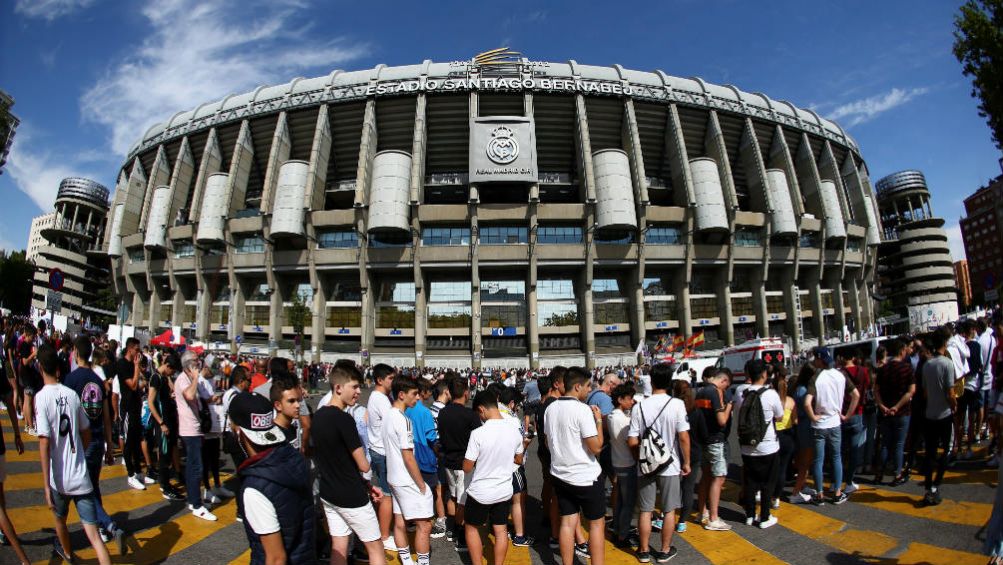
(660, 344)
(641, 349)
(678, 342)
(698, 340)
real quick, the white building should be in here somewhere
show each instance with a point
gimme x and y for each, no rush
(35, 239)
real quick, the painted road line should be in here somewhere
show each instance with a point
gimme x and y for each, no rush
(159, 543)
(726, 548)
(950, 511)
(972, 476)
(923, 554)
(832, 532)
(29, 481)
(242, 559)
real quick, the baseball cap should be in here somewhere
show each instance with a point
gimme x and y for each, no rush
(254, 415)
(823, 354)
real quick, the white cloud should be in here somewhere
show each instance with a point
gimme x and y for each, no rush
(955, 242)
(866, 109)
(199, 52)
(36, 171)
(49, 9)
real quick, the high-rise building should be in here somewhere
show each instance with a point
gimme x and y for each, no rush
(963, 282)
(8, 123)
(35, 239)
(72, 243)
(915, 270)
(982, 232)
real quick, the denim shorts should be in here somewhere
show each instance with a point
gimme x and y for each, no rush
(86, 506)
(379, 466)
(716, 457)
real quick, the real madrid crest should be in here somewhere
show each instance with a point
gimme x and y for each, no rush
(503, 148)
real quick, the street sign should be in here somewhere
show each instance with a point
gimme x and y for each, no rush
(56, 279)
(54, 301)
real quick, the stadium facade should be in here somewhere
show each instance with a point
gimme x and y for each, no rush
(494, 212)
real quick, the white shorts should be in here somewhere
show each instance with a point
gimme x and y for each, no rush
(3, 468)
(411, 503)
(458, 484)
(342, 522)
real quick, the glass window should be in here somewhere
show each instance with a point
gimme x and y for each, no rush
(183, 248)
(344, 291)
(502, 235)
(445, 236)
(449, 291)
(498, 316)
(703, 307)
(219, 315)
(396, 291)
(853, 244)
(337, 239)
(555, 289)
(660, 310)
(608, 289)
(222, 294)
(615, 237)
(344, 317)
(256, 316)
(558, 314)
(658, 286)
(137, 255)
(252, 243)
(810, 239)
(503, 291)
(448, 316)
(664, 235)
(749, 237)
(559, 234)
(827, 301)
(391, 239)
(702, 283)
(775, 304)
(610, 312)
(395, 315)
(741, 306)
(260, 293)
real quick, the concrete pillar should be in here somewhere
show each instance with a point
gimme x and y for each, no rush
(210, 163)
(319, 317)
(532, 319)
(278, 154)
(153, 319)
(759, 309)
(790, 307)
(683, 303)
(727, 328)
(237, 315)
(475, 292)
(420, 317)
(274, 316)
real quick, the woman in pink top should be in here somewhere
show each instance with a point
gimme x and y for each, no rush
(187, 395)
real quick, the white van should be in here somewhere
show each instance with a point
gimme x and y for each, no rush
(769, 349)
(695, 364)
(866, 347)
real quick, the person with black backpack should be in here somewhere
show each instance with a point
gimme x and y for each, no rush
(659, 436)
(759, 409)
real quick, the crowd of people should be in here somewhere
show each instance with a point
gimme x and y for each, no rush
(624, 452)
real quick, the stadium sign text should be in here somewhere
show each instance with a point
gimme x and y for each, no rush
(423, 84)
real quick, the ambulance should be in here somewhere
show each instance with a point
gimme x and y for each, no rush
(769, 349)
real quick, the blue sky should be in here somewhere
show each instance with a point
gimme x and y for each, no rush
(90, 76)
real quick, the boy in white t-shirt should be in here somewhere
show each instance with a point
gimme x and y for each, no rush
(412, 498)
(624, 465)
(494, 452)
(760, 461)
(63, 435)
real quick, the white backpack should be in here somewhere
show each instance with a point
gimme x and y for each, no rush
(654, 456)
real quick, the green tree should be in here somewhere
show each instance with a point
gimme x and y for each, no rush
(16, 274)
(978, 46)
(299, 316)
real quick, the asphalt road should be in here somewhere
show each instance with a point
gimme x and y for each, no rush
(878, 525)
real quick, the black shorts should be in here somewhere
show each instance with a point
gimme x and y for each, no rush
(589, 500)
(971, 400)
(477, 514)
(519, 480)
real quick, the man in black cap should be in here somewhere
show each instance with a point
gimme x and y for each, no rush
(275, 486)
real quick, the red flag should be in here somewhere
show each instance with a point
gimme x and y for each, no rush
(698, 339)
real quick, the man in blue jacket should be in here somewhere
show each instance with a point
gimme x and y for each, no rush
(426, 445)
(275, 487)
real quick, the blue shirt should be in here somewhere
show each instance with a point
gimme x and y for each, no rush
(532, 391)
(425, 436)
(90, 389)
(602, 400)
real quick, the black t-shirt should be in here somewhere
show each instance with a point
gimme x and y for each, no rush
(455, 424)
(335, 437)
(132, 402)
(166, 405)
(90, 389)
(708, 400)
(542, 450)
(29, 374)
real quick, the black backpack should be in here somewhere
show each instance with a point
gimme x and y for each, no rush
(752, 424)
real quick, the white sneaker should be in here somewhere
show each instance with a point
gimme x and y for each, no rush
(759, 496)
(389, 545)
(203, 512)
(136, 483)
(775, 503)
(851, 488)
(147, 480)
(749, 520)
(223, 492)
(771, 521)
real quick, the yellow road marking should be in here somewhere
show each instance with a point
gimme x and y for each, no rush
(29, 481)
(832, 532)
(923, 554)
(950, 511)
(726, 548)
(242, 559)
(159, 543)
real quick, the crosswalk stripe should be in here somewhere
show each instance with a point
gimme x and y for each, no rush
(727, 548)
(242, 559)
(29, 481)
(951, 511)
(923, 554)
(966, 477)
(832, 532)
(156, 544)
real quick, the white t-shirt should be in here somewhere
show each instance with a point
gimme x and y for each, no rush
(116, 388)
(493, 448)
(60, 418)
(619, 425)
(645, 381)
(668, 424)
(397, 435)
(379, 406)
(568, 424)
(988, 344)
(260, 513)
(773, 408)
(829, 387)
(957, 348)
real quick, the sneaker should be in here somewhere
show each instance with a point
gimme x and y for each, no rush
(629, 542)
(449, 534)
(389, 545)
(438, 530)
(680, 527)
(928, 499)
(119, 535)
(718, 525)
(771, 521)
(223, 492)
(656, 524)
(798, 498)
(105, 536)
(57, 550)
(851, 488)
(818, 500)
(153, 476)
(239, 517)
(644, 556)
(171, 493)
(899, 481)
(20, 416)
(759, 496)
(839, 498)
(935, 498)
(749, 520)
(522, 541)
(210, 498)
(704, 518)
(148, 480)
(31, 431)
(554, 543)
(663, 556)
(3, 539)
(775, 503)
(203, 512)
(136, 482)
(460, 545)
(582, 550)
